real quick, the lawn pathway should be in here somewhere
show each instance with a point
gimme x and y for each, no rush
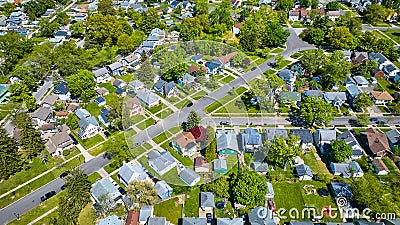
(43, 216)
(388, 37)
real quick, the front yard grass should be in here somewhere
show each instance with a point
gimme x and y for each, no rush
(90, 142)
(385, 85)
(169, 209)
(192, 203)
(138, 150)
(157, 108)
(227, 79)
(182, 104)
(87, 215)
(160, 138)
(147, 123)
(165, 113)
(277, 50)
(393, 34)
(137, 118)
(93, 177)
(199, 95)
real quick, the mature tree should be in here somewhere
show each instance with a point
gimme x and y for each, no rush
(34, 9)
(63, 18)
(363, 101)
(118, 150)
(135, 16)
(353, 23)
(13, 47)
(362, 120)
(210, 144)
(375, 13)
(220, 187)
(392, 4)
(305, 3)
(315, 36)
(138, 37)
(249, 188)
(10, 159)
(175, 72)
(48, 28)
(126, 27)
(76, 198)
(104, 204)
(336, 69)
(72, 121)
(190, 29)
(30, 102)
(201, 7)
(332, 6)
(341, 38)
(7, 8)
(142, 193)
(106, 7)
(281, 151)
(82, 85)
(340, 151)
(78, 29)
(40, 61)
(69, 58)
(115, 116)
(193, 120)
(146, 71)
(323, 22)
(316, 111)
(103, 30)
(30, 141)
(285, 5)
(125, 43)
(313, 60)
(150, 20)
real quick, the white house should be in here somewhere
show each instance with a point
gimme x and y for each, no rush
(102, 75)
(88, 127)
(161, 162)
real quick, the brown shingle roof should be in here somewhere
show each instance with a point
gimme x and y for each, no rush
(377, 142)
(184, 139)
(192, 69)
(200, 162)
(382, 95)
(133, 218)
(62, 113)
(380, 165)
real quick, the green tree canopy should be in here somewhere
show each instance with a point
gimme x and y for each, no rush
(332, 6)
(10, 159)
(281, 151)
(82, 85)
(341, 38)
(210, 145)
(193, 120)
(363, 101)
(340, 151)
(375, 13)
(316, 111)
(285, 5)
(220, 187)
(249, 188)
(142, 193)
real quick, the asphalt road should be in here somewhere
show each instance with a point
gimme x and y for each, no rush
(32, 200)
(42, 90)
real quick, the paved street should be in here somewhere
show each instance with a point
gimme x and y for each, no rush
(42, 90)
(32, 200)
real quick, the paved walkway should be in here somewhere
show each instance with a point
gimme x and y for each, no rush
(169, 105)
(103, 173)
(85, 153)
(43, 216)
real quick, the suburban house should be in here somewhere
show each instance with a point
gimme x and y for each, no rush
(104, 187)
(164, 88)
(391, 71)
(190, 177)
(303, 172)
(199, 133)
(103, 117)
(380, 167)
(145, 213)
(192, 69)
(379, 58)
(333, 15)
(288, 76)
(116, 69)
(316, 93)
(381, 97)
(306, 138)
(213, 67)
(186, 79)
(185, 144)
(130, 172)
(136, 85)
(196, 58)
(157, 221)
(58, 143)
(359, 81)
(341, 189)
(378, 144)
(131, 60)
(229, 221)
(41, 116)
(163, 189)
(118, 83)
(100, 101)
(194, 221)
(294, 15)
(360, 57)
(227, 142)
(289, 97)
(220, 166)
(346, 170)
(377, 73)
(102, 75)
(351, 141)
(111, 220)
(200, 165)
(88, 127)
(261, 216)
(207, 201)
(133, 106)
(62, 91)
(102, 91)
(82, 113)
(335, 98)
(161, 162)
(250, 139)
(272, 133)
(394, 138)
(259, 167)
(4, 93)
(49, 100)
(148, 98)
(352, 92)
(323, 138)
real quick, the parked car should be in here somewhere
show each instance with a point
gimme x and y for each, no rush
(224, 122)
(190, 104)
(64, 186)
(209, 217)
(47, 195)
(66, 173)
(271, 205)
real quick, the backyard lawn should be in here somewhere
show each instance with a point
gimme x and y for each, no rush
(87, 215)
(385, 85)
(90, 142)
(108, 86)
(93, 108)
(169, 209)
(192, 203)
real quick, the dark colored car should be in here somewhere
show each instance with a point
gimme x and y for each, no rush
(66, 173)
(373, 119)
(254, 68)
(190, 104)
(224, 122)
(47, 196)
(381, 121)
(209, 217)
(64, 186)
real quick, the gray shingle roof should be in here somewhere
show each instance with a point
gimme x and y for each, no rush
(145, 212)
(302, 170)
(271, 133)
(261, 216)
(157, 221)
(147, 97)
(105, 187)
(229, 221)
(393, 136)
(130, 172)
(341, 189)
(100, 72)
(206, 199)
(226, 139)
(220, 164)
(188, 175)
(305, 135)
(194, 221)
(261, 167)
(162, 187)
(42, 113)
(115, 66)
(162, 161)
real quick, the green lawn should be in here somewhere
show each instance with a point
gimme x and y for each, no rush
(312, 162)
(139, 150)
(108, 86)
(182, 104)
(169, 209)
(165, 113)
(147, 123)
(127, 77)
(157, 108)
(192, 203)
(93, 108)
(90, 142)
(87, 215)
(260, 61)
(160, 138)
(184, 160)
(175, 130)
(297, 24)
(137, 118)
(112, 97)
(93, 177)
(296, 55)
(199, 95)
(224, 100)
(72, 154)
(277, 50)
(227, 79)
(393, 34)
(40, 182)
(284, 63)
(385, 85)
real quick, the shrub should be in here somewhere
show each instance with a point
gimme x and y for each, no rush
(66, 152)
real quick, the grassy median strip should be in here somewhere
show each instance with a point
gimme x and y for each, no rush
(25, 190)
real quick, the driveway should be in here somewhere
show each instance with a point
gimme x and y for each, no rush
(203, 213)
